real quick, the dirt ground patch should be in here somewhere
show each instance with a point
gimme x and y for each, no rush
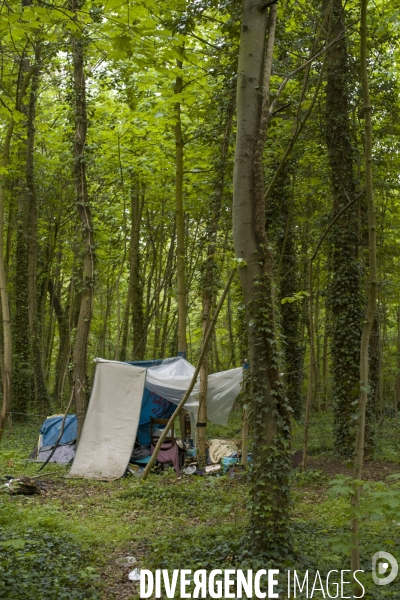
(372, 471)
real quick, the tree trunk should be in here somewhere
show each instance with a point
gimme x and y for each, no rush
(269, 491)
(317, 367)
(345, 294)
(80, 381)
(136, 292)
(397, 384)
(325, 368)
(375, 382)
(64, 348)
(5, 307)
(209, 280)
(41, 394)
(372, 290)
(23, 389)
(180, 222)
(279, 217)
(168, 291)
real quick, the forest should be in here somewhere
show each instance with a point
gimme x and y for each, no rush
(217, 181)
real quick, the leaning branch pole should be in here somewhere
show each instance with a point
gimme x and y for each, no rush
(182, 403)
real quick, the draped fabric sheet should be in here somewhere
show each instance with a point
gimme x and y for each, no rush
(111, 423)
(171, 379)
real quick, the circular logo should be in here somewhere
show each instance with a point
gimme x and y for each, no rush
(383, 567)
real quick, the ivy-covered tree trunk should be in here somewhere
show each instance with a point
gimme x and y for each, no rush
(269, 491)
(346, 289)
(280, 223)
(372, 292)
(80, 380)
(23, 379)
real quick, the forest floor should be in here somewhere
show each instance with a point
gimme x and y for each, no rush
(64, 543)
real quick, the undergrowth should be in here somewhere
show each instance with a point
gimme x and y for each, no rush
(64, 544)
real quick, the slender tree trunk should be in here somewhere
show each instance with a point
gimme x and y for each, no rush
(41, 393)
(125, 328)
(231, 336)
(64, 348)
(317, 366)
(10, 227)
(80, 380)
(372, 288)
(209, 281)
(269, 492)
(136, 291)
(180, 221)
(397, 385)
(23, 389)
(5, 307)
(279, 217)
(168, 292)
(375, 381)
(325, 369)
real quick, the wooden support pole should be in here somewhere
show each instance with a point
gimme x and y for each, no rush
(182, 403)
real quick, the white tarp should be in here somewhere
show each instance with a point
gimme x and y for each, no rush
(111, 422)
(171, 379)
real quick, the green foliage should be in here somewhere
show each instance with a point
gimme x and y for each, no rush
(36, 561)
(170, 522)
(309, 478)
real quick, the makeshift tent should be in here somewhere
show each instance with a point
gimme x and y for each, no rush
(125, 396)
(48, 436)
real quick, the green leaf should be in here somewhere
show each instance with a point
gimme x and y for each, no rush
(17, 543)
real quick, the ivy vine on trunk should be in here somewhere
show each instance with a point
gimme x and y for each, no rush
(345, 294)
(269, 508)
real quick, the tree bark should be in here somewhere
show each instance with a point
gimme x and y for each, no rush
(23, 389)
(209, 281)
(5, 307)
(41, 394)
(64, 347)
(80, 380)
(136, 291)
(397, 384)
(269, 410)
(372, 288)
(345, 293)
(180, 221)
(280, 218)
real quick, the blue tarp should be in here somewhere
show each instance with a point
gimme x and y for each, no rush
(152, 406)
(50, 430)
